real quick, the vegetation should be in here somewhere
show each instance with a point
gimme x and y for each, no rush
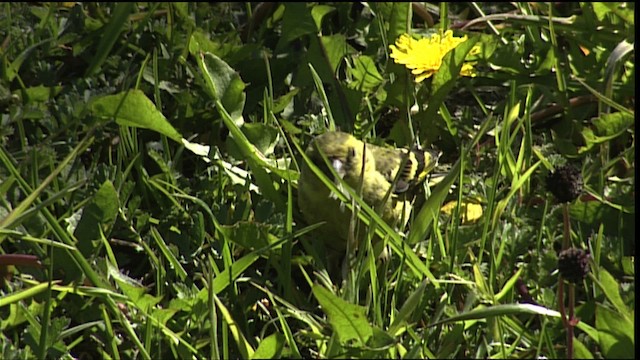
(149, 157)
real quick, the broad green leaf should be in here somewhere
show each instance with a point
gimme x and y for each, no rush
(224, 84)
(365, 74)
(224, 279)
(258, 162)
(42, 93)
(200, 42)
(602, 9)
(318, 12)
(98, 216)
(613, 125)
(616, 334)
(326, 53)
(580, 351)
(15, 315)
(399, 20)
(610, 287)
(283, 101)
(264, 137)
(134, 109)
(270, 347)
(296, 22)
(349, 321)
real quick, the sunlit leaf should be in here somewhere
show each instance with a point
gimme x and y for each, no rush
(133, 108)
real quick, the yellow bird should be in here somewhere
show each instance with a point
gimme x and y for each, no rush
(372, 171)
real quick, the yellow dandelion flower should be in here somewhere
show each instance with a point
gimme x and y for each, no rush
(424, 57)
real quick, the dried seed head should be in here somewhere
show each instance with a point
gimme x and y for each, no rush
(573, 264)
(565, 183)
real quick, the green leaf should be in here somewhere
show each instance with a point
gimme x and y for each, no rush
(580, 351)
(97, 217)
(224, 84)
(613, 125)
(200, 42)
(399, 21)
(283, 101)
(270, 347)
(349, 321)
(257, 161)
(135, 292)
(615, 334)
(135, 109)
(326, 53)
(365, 74)
(318, 12)
(12, 70)
(264, 137)
(42, 93)
(296, 22)
(610, 287)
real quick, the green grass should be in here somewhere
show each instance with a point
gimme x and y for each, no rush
(150, 152)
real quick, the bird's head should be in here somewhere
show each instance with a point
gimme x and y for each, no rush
(344, 153)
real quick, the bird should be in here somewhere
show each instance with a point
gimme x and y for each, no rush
(386, 178)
